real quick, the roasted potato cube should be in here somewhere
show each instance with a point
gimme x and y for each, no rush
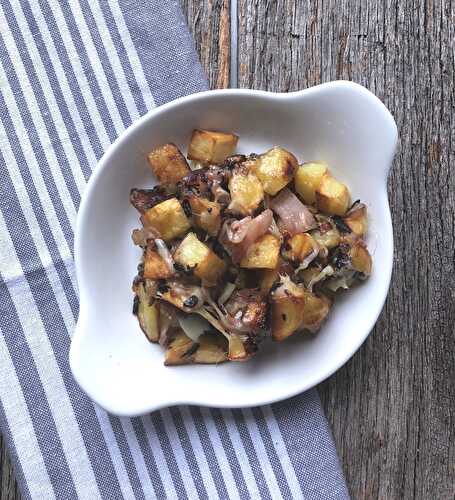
(275, 169)
(168, 164)
(208, 146)
(315, 311)
(154, 266)
(246, 192)
(307, 179)
(328, 237)
(263, 254)
(237, 351)
(206, 214)
(357, 220)
(332, 196)
(267, 278)
(288, 303)
(147, 314)
(360, 259)
(299, 247)
(168, 219)
(193, 253)
(210, 348)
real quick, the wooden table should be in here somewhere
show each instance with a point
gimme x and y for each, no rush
(392, 407)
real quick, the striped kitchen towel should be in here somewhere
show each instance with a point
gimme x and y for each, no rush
(73, 75)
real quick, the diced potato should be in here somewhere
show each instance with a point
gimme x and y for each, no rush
(360, 259)
(209, 349)
(308, 178)
(332, 196)
(315, 311)
(237, 350)
(212, 349)
(267, 278)
(147, 314)
(154, 266)
(287, 311)
(246, 192)
(329, 238)
(207, 265)
(208, 146)
(168, 164)
(263, 254)
(299, 247)
(168, 219)
(357, 221)
(275, 169)
(206, 214)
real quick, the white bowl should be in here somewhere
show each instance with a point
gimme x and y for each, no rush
(341, 123)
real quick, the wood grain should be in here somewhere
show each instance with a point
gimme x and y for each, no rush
(209, 21)
(392, 406)
(8, 484)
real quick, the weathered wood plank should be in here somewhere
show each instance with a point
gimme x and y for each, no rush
(392, 406)
(209, 22)
(8, 485)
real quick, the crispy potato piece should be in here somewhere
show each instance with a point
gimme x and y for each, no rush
(332, 196)
(147, 314)
(275, 169)
(237, 351)
(154, 266)
(360, 258)
(246, 192)
(299, 246)
(267, 278)
(207, 146)
(357, 221)
(193, 253)
(315, 311)
(263, 254)
(210, 348)
(329, 238)
(287, 310)
(206, 214)
(168, 219)
(168, 164)
(308, 178)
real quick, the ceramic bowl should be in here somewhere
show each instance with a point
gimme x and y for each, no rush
(340, 123)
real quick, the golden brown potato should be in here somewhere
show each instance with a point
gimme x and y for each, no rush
(168, 219)
(147, 314)
(326, 236)
(357, 220)
(194, 254)
(332, 196)
(168, 164)
(154, 266)
(360, 258)
(206, 214)
(299, 247)
(288, 303)
(207, 146)
(210, 348)
(307, 179)
(267, 278)
(237, 350)
(246, 192)
(315, 311)
(263, 254)
(275, 169)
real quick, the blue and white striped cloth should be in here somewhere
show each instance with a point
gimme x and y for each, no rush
(73, 75)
